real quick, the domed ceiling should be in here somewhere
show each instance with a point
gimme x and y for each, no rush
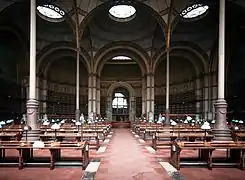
(98, 28)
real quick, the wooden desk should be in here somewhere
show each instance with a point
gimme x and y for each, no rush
(190, 136)
(26, 151)
(77, 136)
(205, 149)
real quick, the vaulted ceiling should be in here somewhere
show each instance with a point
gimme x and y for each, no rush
(147, 29)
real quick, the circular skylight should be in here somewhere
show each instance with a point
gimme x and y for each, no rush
(51, 13)
(194, 11)
(122, 13)
(121, 58)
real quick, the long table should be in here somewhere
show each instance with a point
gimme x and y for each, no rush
(205, 149)
(25, 150)
(190, 136)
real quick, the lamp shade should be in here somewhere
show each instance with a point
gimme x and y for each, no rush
(55, 126)
(46, 123)
(205, 126)
(26, 128)
(241, 122)
(9, 121)
(173, 123)
(78, 123)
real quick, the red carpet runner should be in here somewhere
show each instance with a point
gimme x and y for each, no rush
(125, 159)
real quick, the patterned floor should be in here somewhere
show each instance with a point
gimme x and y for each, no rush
(125, 159)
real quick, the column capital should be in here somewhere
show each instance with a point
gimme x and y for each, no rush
(149, 74)
(92, 74)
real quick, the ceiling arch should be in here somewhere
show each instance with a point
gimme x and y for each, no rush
(43, 60)
(121, 48)
(105, 7)
(120, 84)
(191, 51)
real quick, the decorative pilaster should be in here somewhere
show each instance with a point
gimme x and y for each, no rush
(198, 96)
(44, 96)
(143, 96)
(132, 111)
(109, 108)
(98, 95)
(148, 94)
(90, 92)
(94, 94)
(221, 131)
(206, 98)
(32, 103)
(152, 93)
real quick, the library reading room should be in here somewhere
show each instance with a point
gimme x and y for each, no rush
(122, 89)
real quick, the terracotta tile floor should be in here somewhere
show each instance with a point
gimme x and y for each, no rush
(125, 159)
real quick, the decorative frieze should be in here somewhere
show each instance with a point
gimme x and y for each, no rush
(175, 89)
(64, 88)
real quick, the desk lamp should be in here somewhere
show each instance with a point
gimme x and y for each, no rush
(55, 127)
(205, 127)
(2, 123)
(173, 123)
(240, 123)
(46, 123)
(78, 123)
(26, 128)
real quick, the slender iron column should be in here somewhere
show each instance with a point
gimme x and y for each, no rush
(168, 36)
(221, 131)
(32, 103)
(77, 111)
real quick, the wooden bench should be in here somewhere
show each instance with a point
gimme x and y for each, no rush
(236, 156)
(76, 136)
(170, 137)
(26, 151)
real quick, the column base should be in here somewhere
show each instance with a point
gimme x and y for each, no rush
(34, 133)
(221, 131)
(77, 114)
(167, 118)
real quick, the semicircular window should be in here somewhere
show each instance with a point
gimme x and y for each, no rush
(194, 11)
(51, 13)
(122, 13)
(121, 58)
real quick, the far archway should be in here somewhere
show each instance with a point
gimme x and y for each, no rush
(120, 104)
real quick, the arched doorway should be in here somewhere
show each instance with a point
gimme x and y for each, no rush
(120, 104)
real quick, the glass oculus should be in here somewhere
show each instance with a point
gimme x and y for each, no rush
(194, 11)
(51, 12)
(122, 13)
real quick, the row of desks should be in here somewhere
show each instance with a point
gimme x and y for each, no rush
(235, 155)
(25, 151)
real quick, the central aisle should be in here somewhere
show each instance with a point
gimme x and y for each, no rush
(125, 159)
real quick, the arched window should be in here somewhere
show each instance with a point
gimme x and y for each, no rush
(119, 101)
